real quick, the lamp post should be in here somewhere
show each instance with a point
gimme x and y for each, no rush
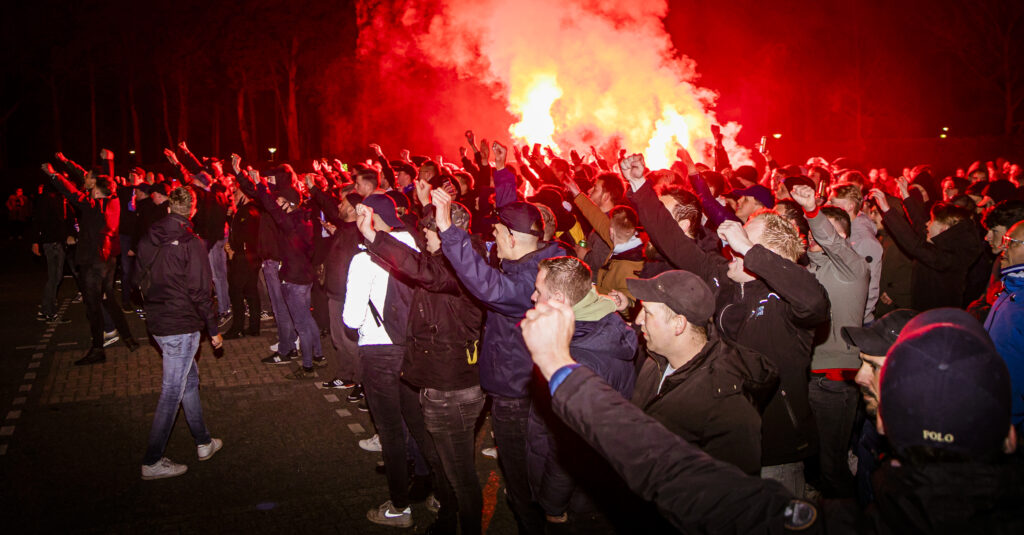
(272, 150)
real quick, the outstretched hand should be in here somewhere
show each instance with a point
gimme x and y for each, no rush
(422, 191)
(804, 196)
(880, 199)
(734, 234)
(687, 160)
(632, 168)
(547, 331)
(48, 169)
(471, 139)
(171, 157)
(485, 152)
(364, 222)
(442, 202)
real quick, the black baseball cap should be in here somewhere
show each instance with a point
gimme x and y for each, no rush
(683, 292)
(876, 339)
(522, 217)
(944, 385)
(384, 206)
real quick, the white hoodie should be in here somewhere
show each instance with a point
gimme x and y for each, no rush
(367, 282)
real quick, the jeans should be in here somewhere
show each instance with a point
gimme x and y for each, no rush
(54, 253)
(509, 418)
(834, 404)
(346, 347)
(180, 387)
(219, 265)
(98, 295)
(381, 369)
(285, 328)
(296, 298)
(791, 475)
(128, 265)
(450, 418)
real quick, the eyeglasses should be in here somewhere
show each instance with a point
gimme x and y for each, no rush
(1007, 240)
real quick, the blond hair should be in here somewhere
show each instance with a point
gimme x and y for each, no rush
(780, 235)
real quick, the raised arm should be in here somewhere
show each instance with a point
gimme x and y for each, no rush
(849, 265)
(914, 243)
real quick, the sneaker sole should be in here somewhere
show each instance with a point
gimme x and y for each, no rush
(112, 341)
(281, 363)
(164, 476)
(405, 521)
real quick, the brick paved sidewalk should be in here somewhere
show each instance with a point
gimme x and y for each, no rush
(73, 439)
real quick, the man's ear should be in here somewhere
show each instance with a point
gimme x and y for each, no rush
(1010, 443)
(685, 225)
(680, 324)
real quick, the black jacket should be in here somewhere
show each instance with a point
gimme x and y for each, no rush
(51, 219)
(148, 213)
(713, 401)
(294, 236)
(775, 315)
(444, 321)
(244, 237)
(98, 223)
(940, 267)
(180, 299)
(699, 494)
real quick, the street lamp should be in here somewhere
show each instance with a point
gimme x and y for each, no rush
(777, 136)
(272, 150)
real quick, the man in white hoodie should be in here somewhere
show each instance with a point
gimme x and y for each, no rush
(378, 307)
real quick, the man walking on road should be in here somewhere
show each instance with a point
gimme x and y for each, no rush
(176, 282)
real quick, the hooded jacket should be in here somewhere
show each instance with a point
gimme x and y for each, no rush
(1005, 324)
(714, 401)
(179, 300)
(775, 314)
(444, 321)
(294, 236)
(940, 266)
(505, 365)
(98, 220)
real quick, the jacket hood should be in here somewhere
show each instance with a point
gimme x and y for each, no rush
(606, 333)
(170, 229)
(962, 236)
(530, 260)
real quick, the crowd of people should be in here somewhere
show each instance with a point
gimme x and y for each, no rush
(715, 344)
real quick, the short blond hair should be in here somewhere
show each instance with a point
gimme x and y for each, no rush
(780, 236)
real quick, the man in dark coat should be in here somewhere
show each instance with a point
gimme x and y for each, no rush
(701, 387)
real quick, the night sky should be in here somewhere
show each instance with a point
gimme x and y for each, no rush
(831, 76)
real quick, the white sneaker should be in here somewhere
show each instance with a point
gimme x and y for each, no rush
(370, 444)
(162, 468)
(273, 347)
(110, 338)
(490, 452)
(207, 450)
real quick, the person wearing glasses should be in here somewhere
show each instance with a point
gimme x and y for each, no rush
(1005, 322)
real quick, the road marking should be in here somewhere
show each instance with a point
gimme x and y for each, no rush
(37, 356)
(24, 388)
(343, 413)
(19, 401)
(30, 375)
(26, 347)
(67, 344)
(7, 430)
(331, 398)
(13, 415)
(3, 449)
(33, 365)
(356, 428)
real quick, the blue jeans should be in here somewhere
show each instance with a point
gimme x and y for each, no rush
(509, 418)
(180, 387)
(835, 408)
(296, 299)
(219, 265)
(450, 418)
(128, 264)
(54, 253)
(381, 370)
(285, 328)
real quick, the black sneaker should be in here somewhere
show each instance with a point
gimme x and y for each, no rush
(41, 317)
(93, 356)
(276, 358)
(320, 361)
(131, 343)
(232, 335)
(341, 384)
(57, 319)
(356, 394)
(301, 373)
(362, 406)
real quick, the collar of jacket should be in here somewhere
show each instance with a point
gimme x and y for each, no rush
(593, 307)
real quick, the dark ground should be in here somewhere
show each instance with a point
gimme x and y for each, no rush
(72, 438)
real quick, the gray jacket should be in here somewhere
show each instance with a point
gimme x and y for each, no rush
(845, 276)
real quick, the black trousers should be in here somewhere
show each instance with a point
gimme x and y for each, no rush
(243, 287)
(98, 294)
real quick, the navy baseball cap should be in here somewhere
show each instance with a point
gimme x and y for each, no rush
(522, 217)
(945, 386)
(384, 206)
(758, 192)
(683, 292)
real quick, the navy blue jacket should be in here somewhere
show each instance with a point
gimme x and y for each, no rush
(504, 361)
